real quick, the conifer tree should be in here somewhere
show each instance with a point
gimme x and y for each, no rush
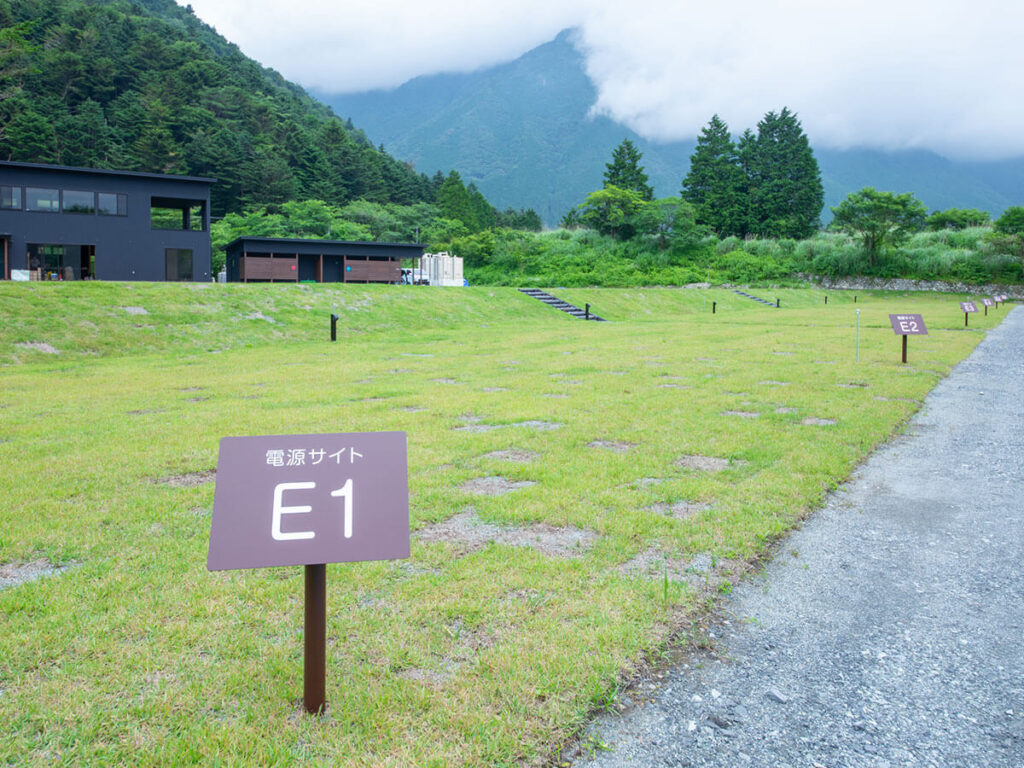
(625, 171)
(786, 193)
(714, 184)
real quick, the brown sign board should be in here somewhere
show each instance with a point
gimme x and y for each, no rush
(908, 325)
(987, 302)
(968, 306)
(310, 499)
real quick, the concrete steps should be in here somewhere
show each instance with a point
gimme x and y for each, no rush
(557, 303)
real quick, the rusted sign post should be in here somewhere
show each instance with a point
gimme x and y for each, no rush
(967, 307)
(310, 500)
(987, 303)
(907, 325)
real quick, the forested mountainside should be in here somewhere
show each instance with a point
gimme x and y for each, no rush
(145, 85)
(522, 131)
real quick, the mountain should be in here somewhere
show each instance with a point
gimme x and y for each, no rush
(144, 85)
(522, 132)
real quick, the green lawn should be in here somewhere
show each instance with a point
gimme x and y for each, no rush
(479, 650)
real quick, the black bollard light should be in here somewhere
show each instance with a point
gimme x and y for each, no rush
(778, 303)
(334, 327)
(586, 312)
(713, 305)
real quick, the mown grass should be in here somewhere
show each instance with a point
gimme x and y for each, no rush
(496, 656)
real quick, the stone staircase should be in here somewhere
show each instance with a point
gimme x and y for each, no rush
(755, 298)
(557, 303)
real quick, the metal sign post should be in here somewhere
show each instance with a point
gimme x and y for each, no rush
(310, 500)
(907, 325)
(967, 307)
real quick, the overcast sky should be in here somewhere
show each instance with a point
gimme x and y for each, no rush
(943, 75)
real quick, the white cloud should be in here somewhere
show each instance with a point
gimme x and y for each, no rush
(883, 73)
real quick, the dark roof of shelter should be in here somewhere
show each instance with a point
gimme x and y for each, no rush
(319, 241)
(105, 172)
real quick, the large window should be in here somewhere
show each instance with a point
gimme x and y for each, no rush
(79, 202)
(41, 199)
(111, 204)
(10, 198)
(179, 264)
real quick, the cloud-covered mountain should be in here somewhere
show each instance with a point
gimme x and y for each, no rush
(523, 132)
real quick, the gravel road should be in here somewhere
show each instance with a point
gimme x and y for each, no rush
(888, 630)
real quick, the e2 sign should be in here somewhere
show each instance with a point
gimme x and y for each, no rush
(908, 325)
(310, 499)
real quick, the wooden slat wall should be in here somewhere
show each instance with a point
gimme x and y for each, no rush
(373, 271)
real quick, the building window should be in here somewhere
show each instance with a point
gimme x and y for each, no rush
(179, 264)
(40, 199)
(79, 202)
(10, 198)
(111, 204)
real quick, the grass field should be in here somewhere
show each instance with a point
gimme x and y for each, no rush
(579, 492)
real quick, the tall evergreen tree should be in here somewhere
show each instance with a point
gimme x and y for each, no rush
(455, 202)
(715, 184)
(786, 193)
(625, 171)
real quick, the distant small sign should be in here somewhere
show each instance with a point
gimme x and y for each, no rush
(988, 302)
(908, 325)
(968, 306)
(310, 499)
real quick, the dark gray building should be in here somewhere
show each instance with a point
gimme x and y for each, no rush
(277, 259)
(62, 223)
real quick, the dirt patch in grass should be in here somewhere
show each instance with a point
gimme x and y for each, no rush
(494, 486)
(647, 482)
(144, 411)
(680, 510)
(707, 463)
(541, 426)
(468, 533)
(814, 421)
(412, 409)
(704, 573)
(15, 574)
(189, 480)
(617, 446)
(513, 455)
(774, 383)
(742, 414)
(444, 380)
(556, 395)
(257, 315)
(38, 346)
(198, 399)
(854, 385)
(785, 409)
(495, 389)
(135, 310)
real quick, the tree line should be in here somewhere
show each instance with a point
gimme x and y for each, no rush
(146, 86)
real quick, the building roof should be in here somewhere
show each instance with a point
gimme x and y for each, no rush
(319, 242)
(106, 172)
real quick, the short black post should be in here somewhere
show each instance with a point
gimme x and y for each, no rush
(986, 310)
(826, 299)
(854, 298)
(315, 640)
(904, 348)
(713, 305)
(586, 312)
(778, 303)
(966, 315)
(334, 327)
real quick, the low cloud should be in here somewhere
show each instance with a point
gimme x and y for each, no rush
(889, 74)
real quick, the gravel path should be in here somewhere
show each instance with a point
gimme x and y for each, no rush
(889, 630)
